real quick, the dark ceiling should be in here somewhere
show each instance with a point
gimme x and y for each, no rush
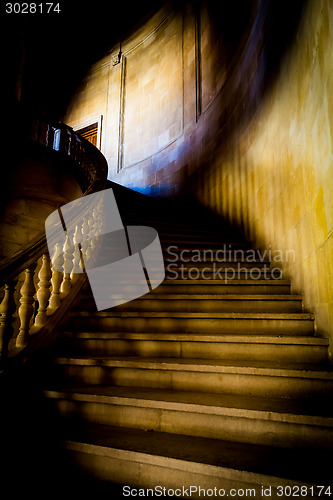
(60, 47)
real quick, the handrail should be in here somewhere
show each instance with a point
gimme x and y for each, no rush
(33, 290)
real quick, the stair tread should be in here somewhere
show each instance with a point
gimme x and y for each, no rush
(268, 368)
(193, 337)
(232, 282)
(208, 315)
(299, 388)
(216, 238)
(228, 297)
(296, 464)
(279, 409)
(218, 262)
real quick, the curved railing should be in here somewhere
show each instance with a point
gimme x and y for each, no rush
(35, 295)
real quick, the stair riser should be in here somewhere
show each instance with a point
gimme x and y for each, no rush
(223, 265)
(178, 246)
(194, 325)
(126, 468)
(197, 305)
(190, 423)
(208, 350)
(169, 242)
(233, 288)
(219, 273)
(225, 383)
(218, 237)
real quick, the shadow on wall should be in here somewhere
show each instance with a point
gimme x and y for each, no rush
(252, 73)
(272, 174)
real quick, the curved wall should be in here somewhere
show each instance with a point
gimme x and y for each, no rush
(275, 179)
(202, 102)
(150, 93)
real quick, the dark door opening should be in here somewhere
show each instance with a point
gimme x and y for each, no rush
(89, 133)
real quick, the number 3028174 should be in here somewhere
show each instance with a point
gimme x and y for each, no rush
(33, 8)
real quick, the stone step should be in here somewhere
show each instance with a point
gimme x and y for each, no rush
(173, 225)
(147, 459)
(207, 303)
(219, 376)
(219, 287)
(183, 229)
(232, 287)
(180, 243)
(225, 253)
(179, 322)
(222, 273)
(238, 265)
(283, 350)
(209, 415)
(168, 228)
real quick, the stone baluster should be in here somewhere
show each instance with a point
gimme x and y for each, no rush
(93, 232)
(57, 277)
(86, 251)
(26, 308)
(7, 309)
(99, 218)
(92, 235)
(66, 284)
(43, 293)
(77, 264)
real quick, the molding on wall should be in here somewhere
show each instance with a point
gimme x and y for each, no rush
(122, 94)
(201, 109)
(198, 75)
(141, 37)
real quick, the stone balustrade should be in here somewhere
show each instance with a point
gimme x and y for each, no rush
(31, 298)
(32, 290)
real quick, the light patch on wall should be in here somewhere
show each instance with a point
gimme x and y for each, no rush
(152, 115)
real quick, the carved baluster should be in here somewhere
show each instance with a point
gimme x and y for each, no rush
(96, 221)
(100, 217)
(57, 277)
(26, 309)
(50, 137)
(7, 309)
(94, 227)
(77, 265)
(86, 251)
(43, 293)
(98, 228)
(92, 240)
(68, 264)
(56, 139)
